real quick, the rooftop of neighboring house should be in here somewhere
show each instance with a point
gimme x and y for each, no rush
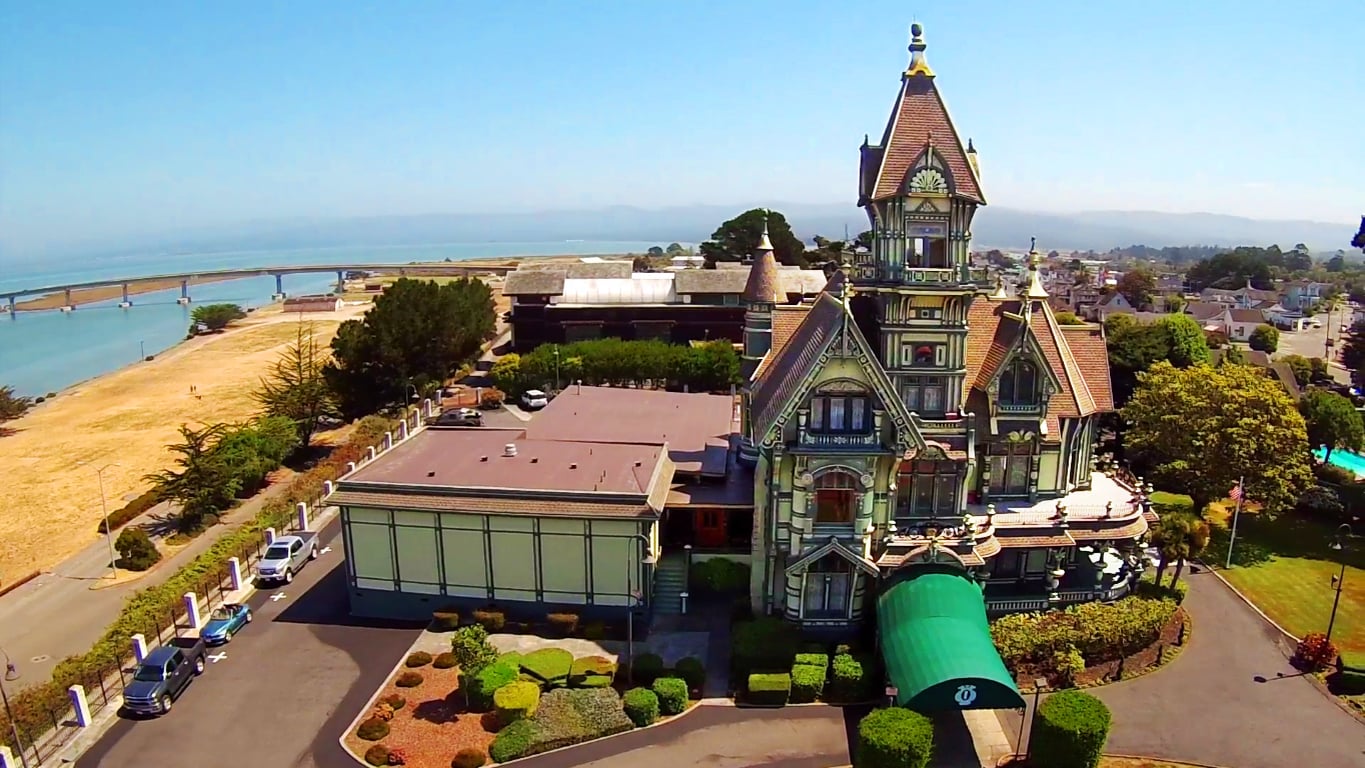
(1202, 310)
(613, 282)
(1246, 316)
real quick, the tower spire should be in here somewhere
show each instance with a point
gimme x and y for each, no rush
(918, 64)
(1035, 280)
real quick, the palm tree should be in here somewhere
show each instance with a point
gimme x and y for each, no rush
(1177, 538)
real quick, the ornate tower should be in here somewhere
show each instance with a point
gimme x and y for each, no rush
(920, 189)
(762, 291)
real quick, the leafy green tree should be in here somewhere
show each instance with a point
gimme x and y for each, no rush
(296, 388)
(1234, 356)
(1353, 350)
(737, 239)
(1301, 366)
(506, 373)
(1337, 263)
(252, 451)
(13, 406)
(1133, 348)
(1138, 287)
(215, 317)
(203, 484)
(472, 653)
(655, 251)
(1201, 429)
(1332, 421)
(1068, 318)
(1187, 343)
(1264, 338)
(136, 550)
(864, 239)
(1318, 369)
(1235, 268)
(416, 334)
(674, 248)
(1175, 303)
(1178, 537)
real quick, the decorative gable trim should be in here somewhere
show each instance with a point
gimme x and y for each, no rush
(1027, 348)
(804, 562)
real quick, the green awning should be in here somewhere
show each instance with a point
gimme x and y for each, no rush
(937, 645)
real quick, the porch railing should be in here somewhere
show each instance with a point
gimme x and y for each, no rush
(838, 440)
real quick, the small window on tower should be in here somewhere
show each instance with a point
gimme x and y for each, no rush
(924, 354)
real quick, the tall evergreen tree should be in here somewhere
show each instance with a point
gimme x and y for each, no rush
(296, 388)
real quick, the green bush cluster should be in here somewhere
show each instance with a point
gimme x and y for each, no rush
(763, 644)
(692, 670)
(445, 661)
(150, 608)
(551, 666)
(851, 678)
(895, 738)
(808, 677)
(565, 716)
(672, 693)
(409, 679)
(469, 757)
(718, 576)
(705, 367)
(645, 667)
(377, 754)
(395, 701)
(1100, 631)
(772, 688)
(515, 701)
(136, 550)
(372, 729)
(481, 685)
(417, 659)
(1069, 731)
(130, 511)
(641, 706)
(592, 672)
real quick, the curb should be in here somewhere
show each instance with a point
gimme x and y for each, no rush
(1215, 571)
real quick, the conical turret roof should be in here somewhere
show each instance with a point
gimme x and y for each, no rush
(764, 284)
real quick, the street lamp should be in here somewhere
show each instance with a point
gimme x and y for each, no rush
(648, 559)
(1338, 544)
(556, 351)
(12, 674)
(413, 388)
(108, 529)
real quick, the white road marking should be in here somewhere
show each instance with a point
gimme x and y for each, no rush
(324, 550)
(217, 657)
(278, 596)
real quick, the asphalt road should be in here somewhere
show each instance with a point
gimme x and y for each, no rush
(288, 686)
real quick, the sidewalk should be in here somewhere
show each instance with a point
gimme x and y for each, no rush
(64, 611)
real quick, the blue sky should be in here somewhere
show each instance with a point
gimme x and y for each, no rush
(121, 118)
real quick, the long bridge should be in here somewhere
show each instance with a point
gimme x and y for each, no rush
(11, 298)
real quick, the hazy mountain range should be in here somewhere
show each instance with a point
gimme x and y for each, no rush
(995, 227)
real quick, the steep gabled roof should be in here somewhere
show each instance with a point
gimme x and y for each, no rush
(1092, 355)
(786, 319)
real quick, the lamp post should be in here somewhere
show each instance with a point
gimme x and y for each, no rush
(556, 350)
(12, 674)
(648, 559)
(1338, 544)
(413, 388)
(108, 529)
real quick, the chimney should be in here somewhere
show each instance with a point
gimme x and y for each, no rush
(509, 450)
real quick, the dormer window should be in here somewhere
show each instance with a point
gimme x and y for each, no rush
(839, 414)
(1019, 384)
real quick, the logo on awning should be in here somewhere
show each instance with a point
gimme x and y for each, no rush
(966, 694)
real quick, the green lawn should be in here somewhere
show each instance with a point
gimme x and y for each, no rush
(1166, 498)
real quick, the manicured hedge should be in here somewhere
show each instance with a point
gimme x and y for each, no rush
(551, 666)
(692, 670)
(1101, 632)
(808, 682)
(810, 659)
(565, 716)
(764, 643)
(672, 692)
(488, 680)
(641, 706)
(515, 701)
(769, 688)
(646, 667)
(1069, 731)
(896, 738)
(592, 672)
(851, 678)
(718, 576)
(130, 511)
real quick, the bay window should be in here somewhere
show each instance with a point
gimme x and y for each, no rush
(930, 489)
(924, 395)
(835, 497)
(827, 589)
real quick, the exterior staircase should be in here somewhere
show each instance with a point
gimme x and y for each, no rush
(670, 581)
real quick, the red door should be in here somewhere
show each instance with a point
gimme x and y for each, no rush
(709, 525)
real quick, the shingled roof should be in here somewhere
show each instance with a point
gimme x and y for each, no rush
(786, 319)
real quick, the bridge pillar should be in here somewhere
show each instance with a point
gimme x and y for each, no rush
(12, 301)
(125, 303)
(67, 306)
(279, 287)
(184, 292)
(341, 282)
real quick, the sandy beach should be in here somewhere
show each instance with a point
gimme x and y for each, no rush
(104, 293)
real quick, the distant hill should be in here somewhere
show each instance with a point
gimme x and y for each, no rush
(994, 228)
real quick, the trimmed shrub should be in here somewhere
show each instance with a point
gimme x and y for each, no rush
(764, 643)
(808, 682)
(692, 670)
(641, 706)
(417, 659)
(812, 660)
(718, 576)
(771, 688)
(1068, 664)
(1147, 588)
(1069, 731)
(136, 550)
(562, 624)
(516, 701)
(1314, 653)
(130, 511)
(486, 681)
(409, 680)
(849, 680)
(468, 757)
(445, 620)
(565, 716)
(592, 672)
(445, 661)
(377, 754)
(471, 648)
(491, 619)
(395, 701)
(672, 693)
(1100, 631)
(646, 667)
(373, 729)
(895, 738)
(549, 665)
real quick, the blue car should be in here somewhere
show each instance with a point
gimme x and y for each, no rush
(225, 621)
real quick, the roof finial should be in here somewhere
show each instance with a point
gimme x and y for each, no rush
(971, 148)
(1000, 292)
(764, 244)
(1035, 281)
(918, 64)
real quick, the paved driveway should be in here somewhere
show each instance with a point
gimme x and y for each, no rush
(288, 687)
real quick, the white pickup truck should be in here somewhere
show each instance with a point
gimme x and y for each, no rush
(286, 556)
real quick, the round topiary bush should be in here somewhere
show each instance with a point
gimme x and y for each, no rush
(641, 705)
(1069, 731)
(417, 659)
(408, 680)
(372, 729)
(672, 693)
(445, 661)
(895, 738)
(377, 754)
(692, 670)
(516, 701)
(646, 667)
(395, 701)
(468, 758)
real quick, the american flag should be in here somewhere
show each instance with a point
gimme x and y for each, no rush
(1236, 493)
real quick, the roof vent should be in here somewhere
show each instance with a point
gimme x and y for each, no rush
(431, 474)
(573, 465)
(483, 458)
(534, 460)
(509, 450)
(638, 463)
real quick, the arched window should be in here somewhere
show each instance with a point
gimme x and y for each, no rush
(1019, 384)
(835, 494)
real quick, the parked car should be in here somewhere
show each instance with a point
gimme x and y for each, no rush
(458, 417)
(225, 621)
(163, 675)
(534, 400)
(286, 556)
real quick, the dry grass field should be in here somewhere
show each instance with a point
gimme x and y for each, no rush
(51, 502)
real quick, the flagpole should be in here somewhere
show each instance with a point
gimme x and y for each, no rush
(1236, 512)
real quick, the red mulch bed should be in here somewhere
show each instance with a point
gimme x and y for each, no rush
(1108, 671)
(434, 725)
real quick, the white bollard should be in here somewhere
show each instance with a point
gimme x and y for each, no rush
(269, 536)
(403, 431)
(327, 488)
(301, 509)
(369, 453)
(235, 573)
(79, 703)
(388, 440)
(192, 610)
(7, 758)
(429, 407)
(139, 647)
(350, 467)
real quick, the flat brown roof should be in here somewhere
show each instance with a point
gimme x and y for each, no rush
(697, 427)
(478, 459)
